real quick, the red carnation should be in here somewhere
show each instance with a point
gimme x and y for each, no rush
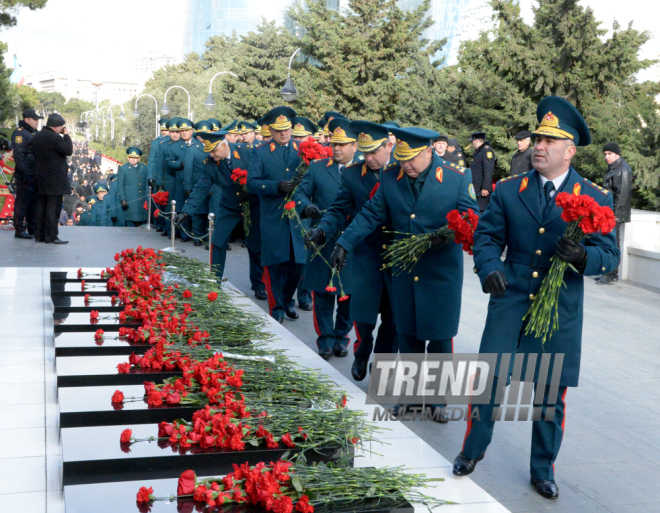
(99, 335)
(187, 294)
(94, 314)
(290, 205)
(303, 505)
(212, 296)
(186, 484)
(126, 435)
(286, 440)
(145, 494)
(344, 298)
(118, 397)
(124, 368)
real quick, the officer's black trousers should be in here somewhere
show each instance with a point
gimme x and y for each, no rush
(48, 213)
(25, 206)
(614, 274)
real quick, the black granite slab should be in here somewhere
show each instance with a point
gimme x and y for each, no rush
(81, 321)
(95, 455)
(120, 498)
(84, 344)
(92, 406)
(77, 304)
(72, 276)
(89, 371)
(75, 289)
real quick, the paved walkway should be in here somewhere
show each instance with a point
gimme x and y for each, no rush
(611, 449)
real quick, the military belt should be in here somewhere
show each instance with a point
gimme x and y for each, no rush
(530, 259)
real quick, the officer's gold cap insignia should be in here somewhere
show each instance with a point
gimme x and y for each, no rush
(236, 155)
(550, 126)
(272, 146)
(299, 128)
(550, 120)
(438, 174)
(281, 119)
(339, 132)
(576, 189)
(365, 138)
(523, 184)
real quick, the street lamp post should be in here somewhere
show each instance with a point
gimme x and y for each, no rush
(210, 103)
(97, 85)
(289, 92)
(136, 112)
(165, 110)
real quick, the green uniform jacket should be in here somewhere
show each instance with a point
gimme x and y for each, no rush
(132, 187)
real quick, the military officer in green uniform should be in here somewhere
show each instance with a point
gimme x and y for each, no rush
(271, 177)
(166, 177)
(100, 214)
(193, 170)
(152, 164)
(302, 128)
(371, 285)
(483, 164)
(417, 193)
(316, 193)
(86, 217)
(132, 188)
(247, 132)
(522, 218)
(115, 211)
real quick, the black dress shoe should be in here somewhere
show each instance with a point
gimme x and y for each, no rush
(325, 353)
(23, 235)
(291, 313)
(57, 241)
(340, 350)
(187, 239)
(359, 369)
(197, 242)
(260, 294)
(163, 234)
(159, 229)
(400, 409)
(463, 466)
(228, 247)
(546, 488)
(307, 307)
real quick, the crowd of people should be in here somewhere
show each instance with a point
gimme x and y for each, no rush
(323, 233)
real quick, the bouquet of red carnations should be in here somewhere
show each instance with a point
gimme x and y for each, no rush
(308, 150)
(282, 486)
(584, 217)
(405, 253)
(161, 198)
(239, 177)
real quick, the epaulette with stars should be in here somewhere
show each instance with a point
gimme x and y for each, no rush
(454, 167)
(354, 165)
(262, 144)
(600, 189)
(509, 178)
(163, 140)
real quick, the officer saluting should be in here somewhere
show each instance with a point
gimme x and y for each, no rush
(483, 164)
(418, 192)
(316, 193)
(25, 175)
(371, 294)
(524, 219)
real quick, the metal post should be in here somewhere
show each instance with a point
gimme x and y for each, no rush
(148, 226)
(211, 228)
(173, 228)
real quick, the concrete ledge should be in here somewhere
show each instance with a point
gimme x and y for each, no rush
(653, 253)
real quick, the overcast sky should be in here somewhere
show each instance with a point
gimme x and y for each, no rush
(80, 38)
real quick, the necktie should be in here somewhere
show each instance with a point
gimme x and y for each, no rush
(548, 188)
(341, 169)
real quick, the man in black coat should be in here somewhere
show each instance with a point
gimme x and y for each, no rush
(454, 147)
(25, 208)
(618, 180)
(440, 145)
(483, 164)
(52, 145)
(522, 159)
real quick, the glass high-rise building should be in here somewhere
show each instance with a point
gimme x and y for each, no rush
(456, 20)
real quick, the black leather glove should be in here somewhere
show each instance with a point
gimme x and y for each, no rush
(113, 219)
(180, 218)
(186, 194)
(244, 197)
(495, 284)
(316, 237)
(124, 205)
(572, 253)
(297, 179)
(151, 182)
(285, 186)
(312, 212)
(438, 237)
(210, 193)
(338, 257)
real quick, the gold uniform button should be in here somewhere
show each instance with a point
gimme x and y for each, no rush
(535, 274)
(475, 270)
(412, 216)
(602, 268)
(416, 278)
(538, 251)
(238, 194)
(531, 297)
(384, 227)
(287, 168)
(541, 231)
(384, 246)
